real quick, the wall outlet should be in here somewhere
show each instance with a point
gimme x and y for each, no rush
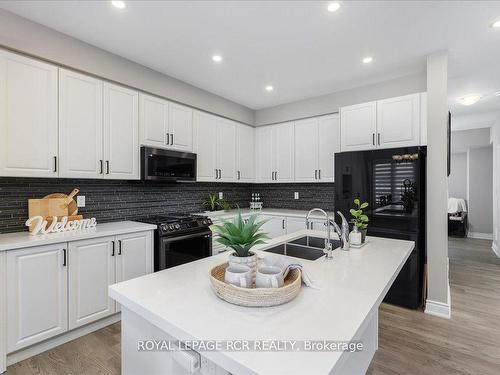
(80, 200)
(296, 195)
(221, 195)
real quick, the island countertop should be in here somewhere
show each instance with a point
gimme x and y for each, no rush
(180, 302)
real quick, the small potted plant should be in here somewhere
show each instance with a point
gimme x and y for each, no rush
(241, 235)
(359, 218)
(213, 203)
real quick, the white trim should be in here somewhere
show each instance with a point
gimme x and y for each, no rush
(43, 346)
(440, 309)
(3, 313)
(496, 250)
(481, 236)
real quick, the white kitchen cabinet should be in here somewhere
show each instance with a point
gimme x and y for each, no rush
(423, 119)
(358, 127)
(316, 142)
(205, 145)
(36, 294)
(398, 122)
(121, 128)
(275, 226)
(133, 255)
(180, 127)
(80, 125)
(245, 153)
(28, 117)
(92, 270)
(275, 153)
(294, 224)
(226, 150)
(153, 120)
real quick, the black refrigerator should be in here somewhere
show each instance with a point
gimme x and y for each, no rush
(393, 182)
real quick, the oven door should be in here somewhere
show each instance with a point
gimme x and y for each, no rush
(174, 251)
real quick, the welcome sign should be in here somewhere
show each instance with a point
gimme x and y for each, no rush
(59, 226)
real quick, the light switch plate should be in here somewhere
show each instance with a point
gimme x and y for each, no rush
(80, 200)
(296, 195)
(221, 195)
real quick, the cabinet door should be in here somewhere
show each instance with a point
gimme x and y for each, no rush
(398, 121)
(266, 153)
(205, 145)
(245, 154)
(275, 225)
(91, 271)
(306, 150)
(180, 127)
(358, 127)
(294, 224)
(28, 117)
(153, 120)
(423, 119)
(36, 295)
(133, 255)
(319, 225)
(285, 152)
(80, 126)
(226, 150)
(328, 145)
(121, 127)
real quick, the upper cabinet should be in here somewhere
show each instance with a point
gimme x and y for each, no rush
(388, 123)
(275, 153)
(80, 125)
(358, 126)
(316, 141)
(226, 150)
(121, 138)
(398, 121)
(164, 124)
(28, 117)
(245, 153)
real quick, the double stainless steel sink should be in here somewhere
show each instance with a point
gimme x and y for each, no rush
(307, 247)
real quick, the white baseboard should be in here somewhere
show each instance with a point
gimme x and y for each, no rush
(496, 250)
(481, 236)
(43, 346)
(441, 309)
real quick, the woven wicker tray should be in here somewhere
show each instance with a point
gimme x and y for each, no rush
(255, 297)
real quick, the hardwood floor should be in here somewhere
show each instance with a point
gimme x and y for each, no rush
(410, 342)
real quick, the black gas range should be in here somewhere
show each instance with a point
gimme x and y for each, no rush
(179, 239)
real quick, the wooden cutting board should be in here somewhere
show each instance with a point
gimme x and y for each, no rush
(72, 206)
(47, 207)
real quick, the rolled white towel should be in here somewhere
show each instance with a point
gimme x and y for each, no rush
(287, 264)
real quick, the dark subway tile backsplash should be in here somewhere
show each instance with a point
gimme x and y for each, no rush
(115, 200)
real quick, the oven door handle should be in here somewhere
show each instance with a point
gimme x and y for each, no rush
(205, 234)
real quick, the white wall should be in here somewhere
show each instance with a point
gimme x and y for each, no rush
(332, 102)
(480, 192)
(457, 181)
(438, 292)
(31, 38)
(463, 140)
(495, 137)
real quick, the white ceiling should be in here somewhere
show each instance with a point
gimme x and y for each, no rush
(297, 46)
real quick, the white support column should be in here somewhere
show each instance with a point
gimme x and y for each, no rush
(438, 296)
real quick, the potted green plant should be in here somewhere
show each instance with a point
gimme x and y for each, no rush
(241, 235)
(213, 203)
(359, 218)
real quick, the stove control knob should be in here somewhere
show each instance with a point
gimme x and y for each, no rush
(204, 222)
(171, 227)
(164, 227)
(177, 226)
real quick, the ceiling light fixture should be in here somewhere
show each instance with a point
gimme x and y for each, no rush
(269, 88)
(469, 99)
(333, 7)
(496, 25)
(216, 58)
(367, 60)
(119, 4)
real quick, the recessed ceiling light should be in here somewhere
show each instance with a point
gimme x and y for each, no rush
(333, 7)
(216, 58)
(367, 60)
(496, 25)
(469, 99)
(119, 4)
(269, 88)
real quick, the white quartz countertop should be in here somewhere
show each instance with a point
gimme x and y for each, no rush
(180, 301)
(18, 240)
(216, 215)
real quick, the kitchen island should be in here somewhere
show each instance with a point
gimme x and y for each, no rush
(178, 304)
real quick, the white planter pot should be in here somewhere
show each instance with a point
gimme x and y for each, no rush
(250, 261)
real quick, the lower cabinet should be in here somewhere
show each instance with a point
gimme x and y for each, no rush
(55, 288)
(275, 226)
(294, 224)
(36, 294)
